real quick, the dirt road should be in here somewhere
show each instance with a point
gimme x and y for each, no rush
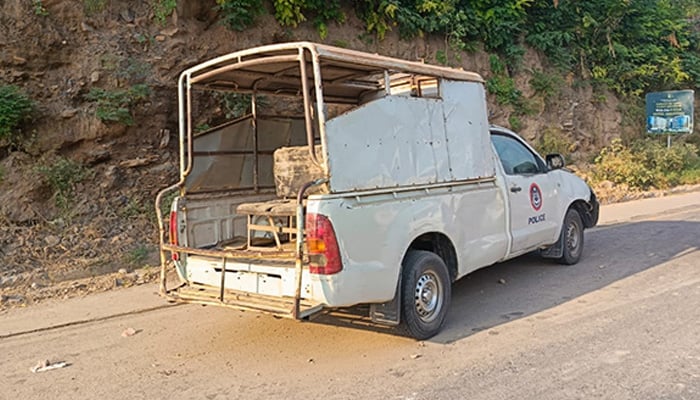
(622, 324)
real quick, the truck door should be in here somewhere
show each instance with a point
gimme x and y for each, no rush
(532, 194)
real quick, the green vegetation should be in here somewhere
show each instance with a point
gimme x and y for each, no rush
(237, 105)
(133, 70)
(116, 105)
(137, 256)
(234, 104)
(239, 14)
(62, 175)
(110, 61)
(647, 163)
(165, 205)
(340, 43)
(515, 122)
(94, 6)
(134, 209)
(441, 57)
(502, 85)
(630, 47)
(546, 85)
(162, 9)
(39, 8)
(293, 12)
(553, 140)
(15, 109)
(203, 127)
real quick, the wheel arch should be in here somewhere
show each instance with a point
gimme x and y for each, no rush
(588, 210)
(441, 245)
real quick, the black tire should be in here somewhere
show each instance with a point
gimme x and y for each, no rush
(426, 290)
(572, 238)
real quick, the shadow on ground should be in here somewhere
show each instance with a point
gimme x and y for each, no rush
(529, 284)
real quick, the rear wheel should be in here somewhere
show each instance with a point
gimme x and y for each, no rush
(425, 294)
(572, 238)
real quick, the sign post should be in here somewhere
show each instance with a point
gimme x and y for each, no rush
(670, 112)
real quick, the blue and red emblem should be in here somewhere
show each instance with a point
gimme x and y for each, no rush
(535, 197)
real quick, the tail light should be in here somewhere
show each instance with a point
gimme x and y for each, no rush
(173, 234)
(322, 245)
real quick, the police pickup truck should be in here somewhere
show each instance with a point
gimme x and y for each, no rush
(353, 179)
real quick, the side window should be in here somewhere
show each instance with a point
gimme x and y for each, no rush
(516, 158)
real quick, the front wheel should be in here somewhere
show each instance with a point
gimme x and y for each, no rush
(425, 294)
(572, 238)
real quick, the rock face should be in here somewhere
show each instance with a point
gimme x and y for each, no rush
(95, 223)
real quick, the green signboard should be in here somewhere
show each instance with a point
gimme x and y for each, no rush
(670, 112)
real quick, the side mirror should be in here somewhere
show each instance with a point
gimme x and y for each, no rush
(555, 161)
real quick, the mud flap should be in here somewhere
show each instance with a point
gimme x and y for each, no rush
(388, 313)
(554, 251)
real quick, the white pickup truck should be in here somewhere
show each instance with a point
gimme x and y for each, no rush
(380, 182)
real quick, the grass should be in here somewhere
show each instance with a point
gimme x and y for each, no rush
(137, 256)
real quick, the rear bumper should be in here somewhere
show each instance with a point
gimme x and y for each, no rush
(245, 280)
(271, 282)
(278, 306)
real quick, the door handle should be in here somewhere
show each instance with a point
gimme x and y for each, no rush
(515, 189)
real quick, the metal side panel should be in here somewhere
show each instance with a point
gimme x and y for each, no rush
(467, 130)
(210, 220)
(388, 142)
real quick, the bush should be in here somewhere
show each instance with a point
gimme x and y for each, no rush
(235, 105)
(164, 8)
(668, 164)
(137, 256)
(661, 158)
(239, 14)
(546, 85)
(116, 105)
(15, 108)
(515, 123)
(690, 177)
(553, 140)
(62, 175)
(648, 163)
(618, 164)
(502, 85)
(293, 12)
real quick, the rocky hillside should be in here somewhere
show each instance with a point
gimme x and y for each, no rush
(77, 189)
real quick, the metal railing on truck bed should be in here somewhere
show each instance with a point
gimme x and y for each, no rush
(291, 307)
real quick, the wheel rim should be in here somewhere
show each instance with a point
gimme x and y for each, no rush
(573, 238)
(428, 296)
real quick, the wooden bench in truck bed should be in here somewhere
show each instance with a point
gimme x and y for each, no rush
(292, 168)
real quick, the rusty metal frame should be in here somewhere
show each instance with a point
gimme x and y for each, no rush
(201, 294)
